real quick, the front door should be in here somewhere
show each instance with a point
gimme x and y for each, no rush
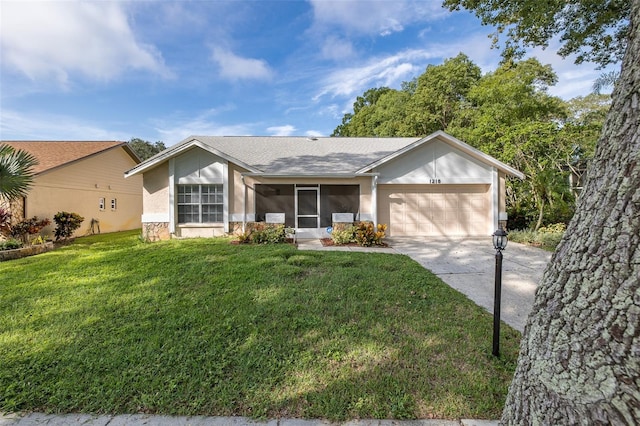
(307, 211)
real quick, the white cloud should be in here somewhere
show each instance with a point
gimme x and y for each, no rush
(174, 129)
(389, 71)
(286, 130)
(57, 39)
(374, 17)
(336, 48)
(313, 133)
(234, 67)
(36, 126)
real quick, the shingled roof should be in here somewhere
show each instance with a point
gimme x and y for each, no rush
(53, 154)
(310, 156)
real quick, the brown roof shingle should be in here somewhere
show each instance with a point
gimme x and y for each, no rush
(52, 154)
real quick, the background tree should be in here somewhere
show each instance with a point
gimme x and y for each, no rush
(145, 149)
(593, 30)
(580, 131)
(360, 121)
(440, 93)
(579, 360)
(16, 172)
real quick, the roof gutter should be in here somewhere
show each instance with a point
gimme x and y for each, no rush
(303, 176)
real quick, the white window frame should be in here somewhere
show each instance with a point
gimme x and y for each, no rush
(114, 204)
(219, 190)
(102, 203)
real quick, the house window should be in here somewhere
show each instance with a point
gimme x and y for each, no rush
(200, 203)
(114, 203)
(101, 202)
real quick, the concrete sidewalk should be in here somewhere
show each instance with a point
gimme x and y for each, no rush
(39, 419)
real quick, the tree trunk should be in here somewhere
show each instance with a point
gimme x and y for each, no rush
(580, 354)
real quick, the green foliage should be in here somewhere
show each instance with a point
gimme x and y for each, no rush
(27, 227)
(594, 31)
(508, 114)
(344, 236)
(547, 237)
(441, 92)
(145, 149)
(368, 235)
(261, 233)
(66, 224)
(16, 172)
(10, 244)
(204, 327)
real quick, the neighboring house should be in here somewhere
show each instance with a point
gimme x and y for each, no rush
(431, 186)
(84, 178)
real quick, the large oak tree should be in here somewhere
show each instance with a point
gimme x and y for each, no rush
(580, 352)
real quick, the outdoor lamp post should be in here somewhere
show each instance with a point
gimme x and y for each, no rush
(499, 243)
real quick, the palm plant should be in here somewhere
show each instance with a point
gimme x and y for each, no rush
(16, 172)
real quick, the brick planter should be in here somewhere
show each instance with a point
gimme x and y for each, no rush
(25, 251)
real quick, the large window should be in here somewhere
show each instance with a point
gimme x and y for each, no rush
(200, 203)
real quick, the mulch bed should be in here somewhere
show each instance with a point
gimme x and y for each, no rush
(328, 242)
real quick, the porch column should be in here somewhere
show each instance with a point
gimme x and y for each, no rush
(374, 199)
(172, 200)
(495, 199)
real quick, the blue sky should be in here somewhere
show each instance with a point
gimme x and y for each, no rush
(164, 70)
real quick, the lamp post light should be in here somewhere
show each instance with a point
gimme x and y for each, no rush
(499, 243)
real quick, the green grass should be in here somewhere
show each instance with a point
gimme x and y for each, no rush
(110, 324)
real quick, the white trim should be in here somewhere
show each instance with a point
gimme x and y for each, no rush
(172, 196)
(310, 176)
(495, 199)
(179, 148)
(155, 217)
(466, 148)
(374, 199)
(225, 195)
(366, 217)
(485, 180)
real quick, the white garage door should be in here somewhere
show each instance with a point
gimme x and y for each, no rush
(434, 210)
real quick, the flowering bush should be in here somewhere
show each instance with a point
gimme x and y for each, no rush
(344, 236)
(24, 229)
(367, 235)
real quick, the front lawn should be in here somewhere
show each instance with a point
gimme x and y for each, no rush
(110, 324)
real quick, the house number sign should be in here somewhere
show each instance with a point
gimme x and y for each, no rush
(435, 181)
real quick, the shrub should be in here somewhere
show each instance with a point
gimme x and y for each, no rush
(368, 235)
(547, 237)
(66, 224)
(344, 236)
(269, 234)
(10, 244)
(25, 228)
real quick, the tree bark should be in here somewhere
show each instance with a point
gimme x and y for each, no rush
(580, 353)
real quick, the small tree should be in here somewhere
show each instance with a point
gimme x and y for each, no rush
(66, 224)
(16, 172)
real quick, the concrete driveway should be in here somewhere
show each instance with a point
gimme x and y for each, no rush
(468, 265)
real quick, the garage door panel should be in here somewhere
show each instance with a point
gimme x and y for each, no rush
(434, 210)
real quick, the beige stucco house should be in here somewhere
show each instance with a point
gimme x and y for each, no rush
(430, 186)
(84, 178)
